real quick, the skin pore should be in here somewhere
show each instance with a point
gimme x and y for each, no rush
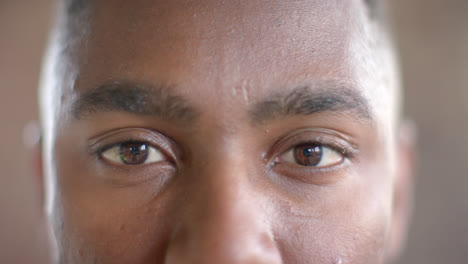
(222, 132)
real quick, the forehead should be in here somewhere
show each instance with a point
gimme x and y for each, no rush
(219, 43)
(225, 52)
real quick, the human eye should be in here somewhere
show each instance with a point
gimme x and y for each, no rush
(132, 153)
(134, 148)
(312, 154)
(131, 156)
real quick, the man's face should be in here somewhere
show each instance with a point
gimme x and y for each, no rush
(221, 132)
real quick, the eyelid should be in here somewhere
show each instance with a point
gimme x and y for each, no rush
(284, 157)
(105, 141)
(329, 138)
(152, 150)
(310, 175)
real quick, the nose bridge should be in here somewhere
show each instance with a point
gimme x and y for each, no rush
(222, 217)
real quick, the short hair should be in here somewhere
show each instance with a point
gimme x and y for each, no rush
(75, 6)
(371, 7)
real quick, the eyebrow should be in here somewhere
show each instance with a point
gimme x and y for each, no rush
(162, 102)
(308, 100)
(134, 98)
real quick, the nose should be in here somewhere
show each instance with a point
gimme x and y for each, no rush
(222, 220)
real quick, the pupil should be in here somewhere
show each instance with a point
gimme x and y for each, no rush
(308, 154)
(133, 153)
(136, 150)
(309, 151)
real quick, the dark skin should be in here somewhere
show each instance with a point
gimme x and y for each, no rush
(224, 132)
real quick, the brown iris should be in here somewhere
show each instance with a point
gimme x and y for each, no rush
(133, 153)
(308, 154)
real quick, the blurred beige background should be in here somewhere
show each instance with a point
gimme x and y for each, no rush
(433, 41)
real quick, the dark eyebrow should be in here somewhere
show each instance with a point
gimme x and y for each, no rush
(307, 100)
(136, 99)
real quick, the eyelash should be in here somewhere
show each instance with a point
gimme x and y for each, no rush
(128, 141)
(116, 144)
(105, 142)
(346, 154)
(345, 151)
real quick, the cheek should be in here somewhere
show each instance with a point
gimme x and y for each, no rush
(347, 224)
(97, 222)
(111, 231)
